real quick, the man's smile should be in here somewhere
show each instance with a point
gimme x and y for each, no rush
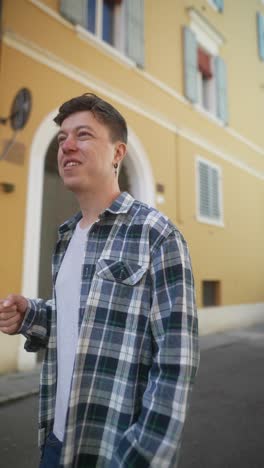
(71, 163)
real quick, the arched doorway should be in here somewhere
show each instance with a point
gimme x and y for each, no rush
(58, 204)
(124, 179)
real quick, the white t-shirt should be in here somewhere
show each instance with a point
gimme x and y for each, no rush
(67, 290)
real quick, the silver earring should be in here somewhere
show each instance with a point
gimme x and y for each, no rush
(116, 166)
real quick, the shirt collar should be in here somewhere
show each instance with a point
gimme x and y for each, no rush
(121, 204)
(70, 224)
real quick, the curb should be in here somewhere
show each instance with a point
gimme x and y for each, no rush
(17, 396)
(19, 385)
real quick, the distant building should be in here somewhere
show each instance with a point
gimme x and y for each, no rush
(189, 78)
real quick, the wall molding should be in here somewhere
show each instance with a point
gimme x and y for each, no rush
(160, 84)
(50, 12)
(103, 47)
(207, 36)
(54, 62)
(211, 148)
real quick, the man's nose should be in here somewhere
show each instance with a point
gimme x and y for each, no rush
(69, 144)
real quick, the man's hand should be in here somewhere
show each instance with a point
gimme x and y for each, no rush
(12, 312)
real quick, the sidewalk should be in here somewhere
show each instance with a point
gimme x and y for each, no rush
(23, 384)
(19, 385)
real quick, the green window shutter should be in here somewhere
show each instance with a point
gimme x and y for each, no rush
(221, 89)
(219, 4)
(75, 11)
(214, 194)
(260, 27)
(134, 16)
(190, 65)
(204, 190)
(209, 191)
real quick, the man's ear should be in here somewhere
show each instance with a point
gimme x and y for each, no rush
(120, 152)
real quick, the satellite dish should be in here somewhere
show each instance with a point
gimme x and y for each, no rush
(20, 109)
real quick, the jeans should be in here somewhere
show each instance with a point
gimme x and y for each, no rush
(51, 452)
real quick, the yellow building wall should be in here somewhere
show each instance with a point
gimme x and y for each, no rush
(162, 150)
(238, 27)
(172, 159)
(9, 346)
(164, 50)
(172, 132)
(232, 254)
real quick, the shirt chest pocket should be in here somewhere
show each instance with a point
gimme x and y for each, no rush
(126, 273)
(118, 298)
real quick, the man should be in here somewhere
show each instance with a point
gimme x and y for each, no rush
(121, 330)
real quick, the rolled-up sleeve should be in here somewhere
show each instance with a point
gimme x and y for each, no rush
(155, 439)
(36, 324)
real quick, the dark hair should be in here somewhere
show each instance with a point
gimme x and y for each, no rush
(101, 110)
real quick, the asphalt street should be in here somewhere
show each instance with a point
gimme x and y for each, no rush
(225, 424)
(18, 434)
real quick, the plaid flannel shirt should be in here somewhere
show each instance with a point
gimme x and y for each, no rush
(137, 353)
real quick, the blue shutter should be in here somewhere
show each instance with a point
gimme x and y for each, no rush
(209, 191)
(260, 21)
(190, 65)
(134, 15)
(214, 197)
(75, 11)
(221, 89)
(219, 4)
(204, 190)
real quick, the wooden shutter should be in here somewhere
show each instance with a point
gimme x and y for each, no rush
(260, 28)
(75, 11)
(221, 89)
(134, 14)
(190, 65)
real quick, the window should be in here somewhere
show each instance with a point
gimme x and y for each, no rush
(103, 19)
(211, 293)
(118, 23)
(217, 4)
(260, 29)
(206, 95)
(209, 193)
(204, 70)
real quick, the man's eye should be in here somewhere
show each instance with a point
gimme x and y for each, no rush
(84, 135)
(61, 140)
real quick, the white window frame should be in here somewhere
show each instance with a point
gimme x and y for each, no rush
(205, 34)
(204, 219)
(213, 5)
(211, 41)
(119, 29)
(211, 91)
(116, 51)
